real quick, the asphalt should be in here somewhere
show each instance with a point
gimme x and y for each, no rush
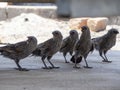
(103, 76)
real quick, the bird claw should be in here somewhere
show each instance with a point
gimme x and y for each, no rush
(55, 67)
(76, 67)
(46, 68)
(50, 67)
(106, 61)
(22, 69)
(88, 67)
(66, 62)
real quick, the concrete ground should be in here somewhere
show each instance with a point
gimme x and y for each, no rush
(103, 76)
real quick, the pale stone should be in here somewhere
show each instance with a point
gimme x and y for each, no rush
(97, 24)
(8, 12)
(77, 23)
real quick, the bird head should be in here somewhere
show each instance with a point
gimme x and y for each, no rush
(84, 28)
(32, 38)
(57, 34)
(73, 34)
(113, 31)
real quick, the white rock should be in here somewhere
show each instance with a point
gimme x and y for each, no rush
(97, 24)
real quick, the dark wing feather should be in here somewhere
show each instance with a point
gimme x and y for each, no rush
(64, 44)
(21, 46)
(43, 48)
(15, 48)
(78, 60)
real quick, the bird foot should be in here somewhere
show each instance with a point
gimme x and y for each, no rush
(50, 67)
(106, 61)
(76, 67)
(47, 68)
(56, 67)
(22, 69)
(88, 67)
(66, 62)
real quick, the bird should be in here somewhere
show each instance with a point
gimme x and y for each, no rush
(69, 43)
(79, 59)
(106, 42)
(19, 50)
(48, 48)
(82, 47)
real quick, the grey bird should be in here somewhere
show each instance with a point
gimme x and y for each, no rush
(19, 50)
(105, 43)
(79, 59)
(69, 43)
(83, 46)
(48, 48)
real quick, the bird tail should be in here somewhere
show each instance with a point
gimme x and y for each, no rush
(36, 52)
(1, 49)
(78, 60)
(92, 47)
(4, 43)
(95, 44)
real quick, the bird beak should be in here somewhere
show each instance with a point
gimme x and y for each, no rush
(82, 29)
(29, 37)
(116, 32)
(72, 33)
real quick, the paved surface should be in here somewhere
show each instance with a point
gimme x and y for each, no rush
(103, 76)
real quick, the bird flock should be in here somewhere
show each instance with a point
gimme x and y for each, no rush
(78, 48)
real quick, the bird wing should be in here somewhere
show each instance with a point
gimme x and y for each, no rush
(8, 48)
(77, 45)
(15, 48)
(98, 42)
(64, 43)
(21, 46)
(46, 46)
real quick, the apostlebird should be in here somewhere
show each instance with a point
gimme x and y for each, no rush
(19, 50)
(69, 43)
(48, 48)
(83, 46)
(79, 59)
(105, 42)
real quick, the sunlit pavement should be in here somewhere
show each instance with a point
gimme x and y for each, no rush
(103, 76)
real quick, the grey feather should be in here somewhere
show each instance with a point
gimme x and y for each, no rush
(19, 50)
(48, 48)
(105, 43)
(83, 46)
(69, 43)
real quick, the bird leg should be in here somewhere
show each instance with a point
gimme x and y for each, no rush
(100, 52)
(75, 66)
(85, 56)
(65, 58)
(48, 58)
(106, 59)
(45, 66)
(86, 64)
(19, 67)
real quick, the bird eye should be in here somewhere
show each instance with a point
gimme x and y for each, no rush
(56, 33)
(84, 27)
(72, 33)
(115, 32)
